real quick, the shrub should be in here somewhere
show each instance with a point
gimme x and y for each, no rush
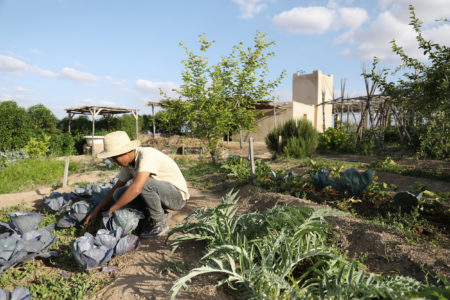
(43, 120)
(62, 144)
(299, 139)
(435, 142)
(335, 140)
(15, 126)
(37, 148)
(391, 135)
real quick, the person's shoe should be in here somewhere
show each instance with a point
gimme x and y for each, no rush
(158, 229)
(167, 216)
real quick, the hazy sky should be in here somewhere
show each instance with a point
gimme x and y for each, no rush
(67, 53)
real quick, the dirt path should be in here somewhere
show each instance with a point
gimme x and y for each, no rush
(34, 197)
(143, 274)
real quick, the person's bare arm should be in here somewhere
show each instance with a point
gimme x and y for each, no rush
(107, 199)
(132, 191)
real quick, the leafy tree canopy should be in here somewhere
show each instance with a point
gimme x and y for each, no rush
(43, 119)
(423, 92)
(215, 100)
(15, 126)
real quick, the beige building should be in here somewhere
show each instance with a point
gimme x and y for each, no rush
(309, 91)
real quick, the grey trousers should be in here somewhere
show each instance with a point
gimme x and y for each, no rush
(156, 196)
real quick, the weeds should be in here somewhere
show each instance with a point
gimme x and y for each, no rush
(198, 173)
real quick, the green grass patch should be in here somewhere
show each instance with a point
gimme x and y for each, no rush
(29, 173)
(201, 175)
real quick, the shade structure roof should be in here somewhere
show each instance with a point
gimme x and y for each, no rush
(100, 110)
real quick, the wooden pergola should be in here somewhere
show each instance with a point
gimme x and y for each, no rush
(94, 111)
(153, 104)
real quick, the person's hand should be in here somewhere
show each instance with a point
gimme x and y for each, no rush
(90, 218)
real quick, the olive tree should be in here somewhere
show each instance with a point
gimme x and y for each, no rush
(219, 99)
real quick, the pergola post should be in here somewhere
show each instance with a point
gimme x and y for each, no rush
(70, 120)
(135, 114)
(153, 104)
(94, 112)
(153, 118)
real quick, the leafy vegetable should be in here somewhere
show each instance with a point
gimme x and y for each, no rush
(77, 213)
(22, 222)
(126, 218)
(321, 179)
(352, 184)
(57, 202)
(406, 200)
(19, 293)
(108, 238)
(127, 244)
(89, 255)
(25, 242)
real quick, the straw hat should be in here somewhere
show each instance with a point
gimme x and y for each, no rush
(117, 143)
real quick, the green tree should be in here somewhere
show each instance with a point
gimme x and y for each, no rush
(173, 120)
(80, 125)
(219, 99)
(423, 93)
(43, 120)
(15, 126)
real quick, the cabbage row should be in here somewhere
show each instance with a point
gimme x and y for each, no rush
(23, 241)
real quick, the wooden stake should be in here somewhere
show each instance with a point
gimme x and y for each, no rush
(252, 160)
(66, 172)
(279, 143)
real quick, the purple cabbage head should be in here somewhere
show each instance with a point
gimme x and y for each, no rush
(125, 218)
(88, 254)
(19, 293)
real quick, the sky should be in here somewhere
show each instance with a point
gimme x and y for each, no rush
(70, 53)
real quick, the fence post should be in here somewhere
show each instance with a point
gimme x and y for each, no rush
(279, 143)
(201, 154)
(240, 139)
(66, 172)
(252, 160)
(182, 149)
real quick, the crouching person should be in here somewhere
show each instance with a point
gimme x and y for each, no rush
(158, 183)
